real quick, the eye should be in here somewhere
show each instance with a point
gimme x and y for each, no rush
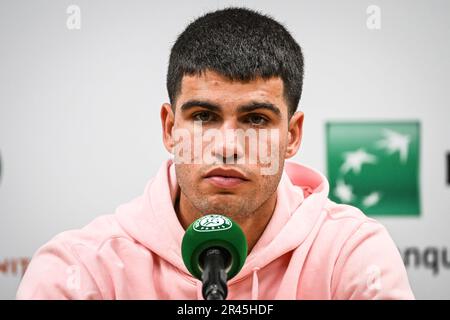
(257, 120)
(203, 116)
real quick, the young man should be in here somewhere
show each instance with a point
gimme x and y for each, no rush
(232, 73)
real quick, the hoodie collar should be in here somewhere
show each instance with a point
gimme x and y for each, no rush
(289, 198)
(152, 221)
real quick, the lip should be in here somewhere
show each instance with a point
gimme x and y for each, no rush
(225, 178)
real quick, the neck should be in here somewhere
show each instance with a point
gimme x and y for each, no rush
(252, 225)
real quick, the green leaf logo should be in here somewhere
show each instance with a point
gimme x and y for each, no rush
(375, 166)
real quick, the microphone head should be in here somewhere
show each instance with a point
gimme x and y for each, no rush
(214, 231)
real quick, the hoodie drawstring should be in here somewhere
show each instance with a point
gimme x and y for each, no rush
(255, 284)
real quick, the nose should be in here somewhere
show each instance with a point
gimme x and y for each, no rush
(230, 148)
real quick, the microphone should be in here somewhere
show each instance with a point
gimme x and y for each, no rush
(214, 249)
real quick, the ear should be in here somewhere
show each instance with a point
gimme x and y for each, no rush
(295, 131)
(167, 122)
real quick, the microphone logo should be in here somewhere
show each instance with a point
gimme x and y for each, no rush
(211, 223)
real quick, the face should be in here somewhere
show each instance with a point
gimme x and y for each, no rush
(240, 128)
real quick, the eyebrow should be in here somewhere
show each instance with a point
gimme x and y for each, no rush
(198, 103)
(252, 106)
(260, 105)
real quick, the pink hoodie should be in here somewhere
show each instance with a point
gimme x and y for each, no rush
(312, 248)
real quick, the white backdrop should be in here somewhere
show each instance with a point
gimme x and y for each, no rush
(79, 109)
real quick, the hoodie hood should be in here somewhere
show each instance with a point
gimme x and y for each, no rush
(301, 195)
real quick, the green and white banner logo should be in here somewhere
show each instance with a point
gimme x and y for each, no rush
(212, 222)
(375, 166)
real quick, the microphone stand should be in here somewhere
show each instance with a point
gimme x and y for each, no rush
(214, 277)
